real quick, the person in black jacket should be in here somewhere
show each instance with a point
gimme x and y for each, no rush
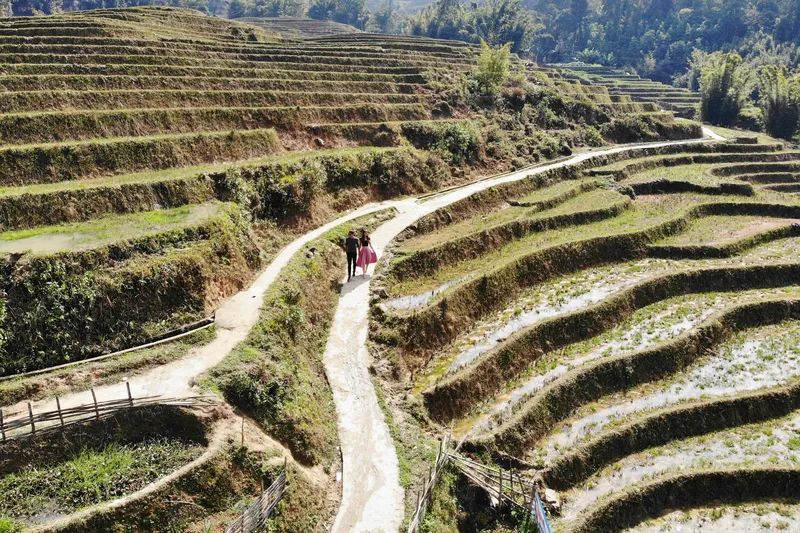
(351, 245)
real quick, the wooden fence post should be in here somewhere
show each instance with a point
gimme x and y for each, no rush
(500, 491)
(30, 414)
(130, 396)
(60, 416)
(2, 426)
(96, 410)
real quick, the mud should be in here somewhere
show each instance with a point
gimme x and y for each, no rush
(753, 360)
(646, 328)
(761, 444)
(751, 518)
(418, 300)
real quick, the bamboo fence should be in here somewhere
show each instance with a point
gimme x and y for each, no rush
(502, 486)
(424, 497)
(260, 510)
(29, 424)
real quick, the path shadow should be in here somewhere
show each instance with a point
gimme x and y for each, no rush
(354, 283)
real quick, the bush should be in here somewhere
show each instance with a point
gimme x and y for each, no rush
(779, 99)
(282, 191)
(725, 84)
(750, 118)
(456, 142)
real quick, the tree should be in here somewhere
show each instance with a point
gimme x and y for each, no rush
(5, 8)
(384, 19)
(579, 10)
(237, 9)
(353, 12)
(495, 21)
(321, 9)
(725, 84)
(504, 21)
(493, 67)
(691, 78)
(779, 99)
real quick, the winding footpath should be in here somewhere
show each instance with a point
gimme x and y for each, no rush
(235, 317)
(372, 498)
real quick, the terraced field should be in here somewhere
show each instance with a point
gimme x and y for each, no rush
(123, 130)
(624, 333)
(164, 171)
(299, 28)
(683, 102)
(152, 162)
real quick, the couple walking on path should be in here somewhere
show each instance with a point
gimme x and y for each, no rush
(360, 253)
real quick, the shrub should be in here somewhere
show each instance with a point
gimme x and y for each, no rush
(456, 142)
(750, 118)
(779, 99)
(725, 84)
(482, 85)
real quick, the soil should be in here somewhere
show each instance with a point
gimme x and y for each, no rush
(743, 445)
(751, 519)
(736, 367)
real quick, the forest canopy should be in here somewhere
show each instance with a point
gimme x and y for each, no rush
(655, 37)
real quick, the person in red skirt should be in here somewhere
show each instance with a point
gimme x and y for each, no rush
(366, 254)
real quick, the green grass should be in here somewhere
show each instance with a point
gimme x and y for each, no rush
(700, 174)
(696, 173)
(104, 230)
(730, 133)
(8, 525)
(646, 212)
(89, 477)
(596, 199)
(548, 193)
(720, 229)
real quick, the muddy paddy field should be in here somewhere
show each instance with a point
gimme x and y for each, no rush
(627, 335)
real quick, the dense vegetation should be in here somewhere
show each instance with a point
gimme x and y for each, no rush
(735, 93)
(655, 37)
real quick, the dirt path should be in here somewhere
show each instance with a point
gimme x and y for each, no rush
(372, 498)
(234, 320)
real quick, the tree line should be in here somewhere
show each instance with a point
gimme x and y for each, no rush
(655, 37)
(660, 39)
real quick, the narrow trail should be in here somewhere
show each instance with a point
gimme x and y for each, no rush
(372, 498)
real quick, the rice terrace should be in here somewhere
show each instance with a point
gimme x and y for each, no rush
(346, 266)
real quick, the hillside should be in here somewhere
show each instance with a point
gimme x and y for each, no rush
(621, 333)
(170, 175)
(298, 28)
(657, 38)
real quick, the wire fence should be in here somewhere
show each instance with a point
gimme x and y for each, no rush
(29, 424)
(259, 511)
